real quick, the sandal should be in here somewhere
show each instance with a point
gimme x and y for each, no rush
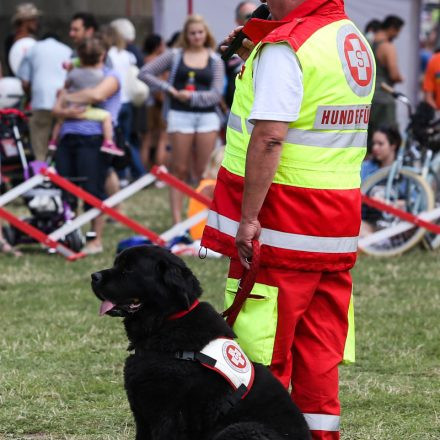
(6, 248)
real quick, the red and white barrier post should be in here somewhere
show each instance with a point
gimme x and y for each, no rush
(423, 220)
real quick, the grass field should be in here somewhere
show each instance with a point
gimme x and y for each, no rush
(61, 364)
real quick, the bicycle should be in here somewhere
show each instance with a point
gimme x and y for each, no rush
(411, 183)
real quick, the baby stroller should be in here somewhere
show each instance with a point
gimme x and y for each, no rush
(48, 210)
(14, 133)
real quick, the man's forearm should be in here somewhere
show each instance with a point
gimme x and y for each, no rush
(263, 157)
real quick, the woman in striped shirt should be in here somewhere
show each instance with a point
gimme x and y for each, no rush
(192, 94)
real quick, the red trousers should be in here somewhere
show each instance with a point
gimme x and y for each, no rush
(310, 339)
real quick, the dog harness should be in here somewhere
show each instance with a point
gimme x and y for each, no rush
(225, 356)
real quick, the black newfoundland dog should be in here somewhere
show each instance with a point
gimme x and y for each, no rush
(172, 395)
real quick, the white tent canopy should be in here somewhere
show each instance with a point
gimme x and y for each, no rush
(170, 14)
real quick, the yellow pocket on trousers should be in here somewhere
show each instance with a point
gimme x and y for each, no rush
(256, 323)
(350, 343)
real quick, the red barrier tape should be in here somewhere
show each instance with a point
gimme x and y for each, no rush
(36, 234)
(93, 201)
(401, 214)
(181, 186)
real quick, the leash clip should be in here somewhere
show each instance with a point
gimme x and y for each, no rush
(201, 256)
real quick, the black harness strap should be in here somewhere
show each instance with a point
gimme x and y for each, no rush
(232, 399)
(195, 356)
(182, 355)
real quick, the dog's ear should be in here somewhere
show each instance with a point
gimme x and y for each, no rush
(181, 283)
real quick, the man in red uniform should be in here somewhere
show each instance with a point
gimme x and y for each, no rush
(296, 138)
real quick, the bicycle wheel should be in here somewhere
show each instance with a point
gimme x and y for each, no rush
(408, 192)
(431, 241)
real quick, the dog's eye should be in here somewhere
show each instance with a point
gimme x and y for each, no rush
(126, 272)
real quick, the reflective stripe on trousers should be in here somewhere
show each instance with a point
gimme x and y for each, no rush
(284, 240)
(322, 422)
(311, 309)
(325, 139)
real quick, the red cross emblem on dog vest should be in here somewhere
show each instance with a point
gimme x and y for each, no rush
(230, 362)
(235, 357)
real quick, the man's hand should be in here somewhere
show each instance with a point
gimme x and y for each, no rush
(247, 231)
(246, 48)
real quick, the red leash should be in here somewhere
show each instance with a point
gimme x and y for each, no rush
(245, 285)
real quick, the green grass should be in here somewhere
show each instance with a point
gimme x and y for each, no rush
(61, 364)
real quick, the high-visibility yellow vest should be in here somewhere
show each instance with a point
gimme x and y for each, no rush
(311, 216)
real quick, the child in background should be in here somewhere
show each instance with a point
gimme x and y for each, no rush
(85, 76)
(206, 187)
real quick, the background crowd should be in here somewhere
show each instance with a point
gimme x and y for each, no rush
(118, 108)
(98, 122)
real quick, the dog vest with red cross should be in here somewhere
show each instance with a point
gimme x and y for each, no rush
(230, 362)
(226, 357)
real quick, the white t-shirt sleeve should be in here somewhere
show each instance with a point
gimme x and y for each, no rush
(278, 88)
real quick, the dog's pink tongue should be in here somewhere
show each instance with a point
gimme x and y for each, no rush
(105, 307)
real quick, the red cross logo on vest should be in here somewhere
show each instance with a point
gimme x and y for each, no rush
(358, 59)
(235, 357)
